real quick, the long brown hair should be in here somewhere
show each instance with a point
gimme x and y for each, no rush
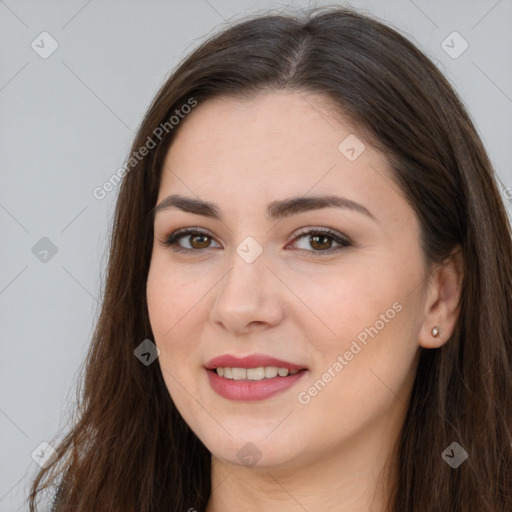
(130, 450)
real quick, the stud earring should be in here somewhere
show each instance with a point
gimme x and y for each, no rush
(436, 332)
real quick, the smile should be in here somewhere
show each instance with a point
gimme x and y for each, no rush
(242, 388)
(252, 377)
(263, 372)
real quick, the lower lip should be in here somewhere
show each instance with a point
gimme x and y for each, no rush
(245, 390)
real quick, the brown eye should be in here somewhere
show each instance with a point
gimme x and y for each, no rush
(317, 241)
(188, 240)
(199, 241)
(320, 241)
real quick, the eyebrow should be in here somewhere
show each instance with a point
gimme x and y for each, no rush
(276, 209)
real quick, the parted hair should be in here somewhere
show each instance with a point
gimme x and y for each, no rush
(129, 449)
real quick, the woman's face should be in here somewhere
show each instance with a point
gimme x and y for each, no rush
(309, 254)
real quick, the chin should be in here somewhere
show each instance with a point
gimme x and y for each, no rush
(258, 451)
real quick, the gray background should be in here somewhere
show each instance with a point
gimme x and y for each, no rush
(66, 126)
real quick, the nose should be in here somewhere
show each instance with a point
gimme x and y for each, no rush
(248, 298)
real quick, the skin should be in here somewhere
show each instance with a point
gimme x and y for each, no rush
(293, 302)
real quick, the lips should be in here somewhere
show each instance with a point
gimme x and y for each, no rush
(253, 361)
(247, 389)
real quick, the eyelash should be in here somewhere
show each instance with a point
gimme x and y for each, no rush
(344, 242)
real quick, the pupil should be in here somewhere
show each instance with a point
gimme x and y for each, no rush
(202, 244)
(315, 241)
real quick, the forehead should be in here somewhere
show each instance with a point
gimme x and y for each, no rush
(260, 124)
(287, 135)
(242, 152)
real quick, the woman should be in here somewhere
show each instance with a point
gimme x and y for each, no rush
(307, 303)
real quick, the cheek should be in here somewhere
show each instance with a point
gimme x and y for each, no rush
(355, 382)
(173, 306)
(366, 317)
(171, 313)
(344, 300)
(169, 299)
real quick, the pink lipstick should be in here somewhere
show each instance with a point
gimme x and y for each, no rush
(254, 377)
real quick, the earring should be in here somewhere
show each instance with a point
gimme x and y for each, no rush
(436, 332)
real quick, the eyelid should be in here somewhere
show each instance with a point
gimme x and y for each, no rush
(321, 229)
(339, 238)
(342, 240)
(172, 238)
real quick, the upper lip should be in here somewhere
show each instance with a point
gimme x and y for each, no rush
(253, 361)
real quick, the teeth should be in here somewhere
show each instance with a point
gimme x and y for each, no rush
(270, 371)
(260, 373)
(239, 373)
(256, 373)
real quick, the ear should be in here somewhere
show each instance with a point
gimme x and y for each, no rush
(442, 304)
